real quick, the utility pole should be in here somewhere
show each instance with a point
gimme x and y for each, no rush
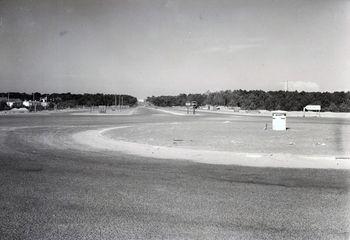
(34, 102)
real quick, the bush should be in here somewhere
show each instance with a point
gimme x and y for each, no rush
(258, 99)
(3, 106)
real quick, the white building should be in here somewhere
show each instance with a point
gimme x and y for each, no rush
(312, 108)
(11, 102)
(27, 103)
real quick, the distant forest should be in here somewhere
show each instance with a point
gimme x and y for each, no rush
(258, 99)
(65, 100)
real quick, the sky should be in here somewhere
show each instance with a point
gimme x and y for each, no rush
(146, 48)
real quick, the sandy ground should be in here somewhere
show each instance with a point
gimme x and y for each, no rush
(289, 114)
(308, 143)
(171, 111)
(44, 112)
(96, 139)
(109, 112)
(326, 137)
(53, 189)
(264, 113)
(177, 111)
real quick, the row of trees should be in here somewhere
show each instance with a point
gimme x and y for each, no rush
(65, 100)
(258, 99)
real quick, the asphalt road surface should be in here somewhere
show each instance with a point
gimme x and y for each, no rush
(51, 190)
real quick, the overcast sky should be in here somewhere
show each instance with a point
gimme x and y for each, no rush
(148, 48)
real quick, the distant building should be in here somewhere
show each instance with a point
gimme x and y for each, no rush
(312, 108)
(27, 103)
(235, 109)
(210, 107)
(30, 103)
(12, 102)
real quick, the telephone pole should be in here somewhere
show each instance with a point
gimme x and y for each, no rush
(34, 102)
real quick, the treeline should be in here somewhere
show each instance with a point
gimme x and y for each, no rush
(65, 100)
(258, 99)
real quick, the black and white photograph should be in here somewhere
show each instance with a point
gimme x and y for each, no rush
(175, 119)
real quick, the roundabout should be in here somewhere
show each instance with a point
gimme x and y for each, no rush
(103, 177)
(232, 142)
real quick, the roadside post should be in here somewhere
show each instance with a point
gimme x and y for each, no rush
(188, 104)
(194, 106)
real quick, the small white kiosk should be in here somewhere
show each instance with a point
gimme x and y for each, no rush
(279, 120)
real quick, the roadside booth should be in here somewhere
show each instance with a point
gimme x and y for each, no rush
(279, 120)
(313, 108)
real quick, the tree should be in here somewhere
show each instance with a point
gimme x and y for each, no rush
(258, 99)
(3, 106)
